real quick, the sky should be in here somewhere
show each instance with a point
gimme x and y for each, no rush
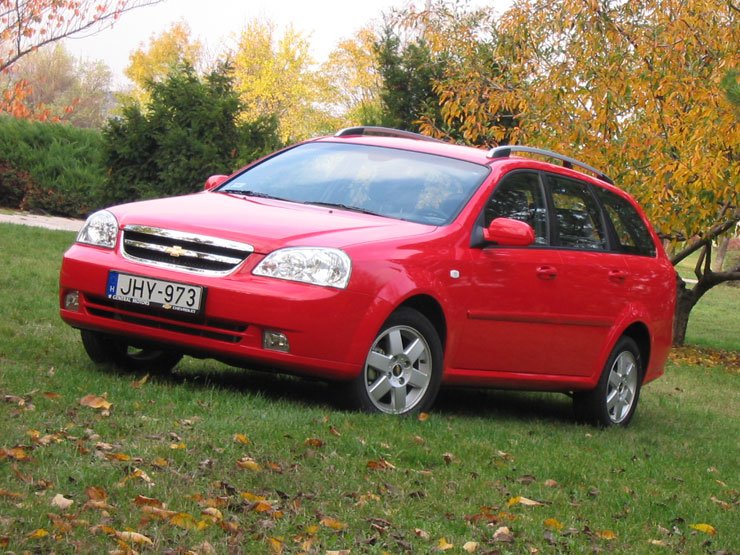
(217, 23)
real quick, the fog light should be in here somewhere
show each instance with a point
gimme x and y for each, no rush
(72, 301)
(275, 341)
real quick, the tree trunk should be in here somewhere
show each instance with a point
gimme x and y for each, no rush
(719, 256)
(685, 301)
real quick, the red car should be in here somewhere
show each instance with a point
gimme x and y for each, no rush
(392, 263)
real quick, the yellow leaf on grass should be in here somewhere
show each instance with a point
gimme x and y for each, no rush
(213, 514)
(95, 402)
(276, 545)
(184, 520)
(248, 463)
(159, 462)
(38, 533)
(423, 416)
(252, 497)
(155, 513)
(134, 537)
(607, 535)
(178, 446)
(123, 457)
(241, 438)
(519, 500)
(704, 528)
(470, 547)
(333, 523)
(380, 464)
(444, 545)
(553, 524)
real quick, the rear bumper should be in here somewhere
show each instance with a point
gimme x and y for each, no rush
(329, 330)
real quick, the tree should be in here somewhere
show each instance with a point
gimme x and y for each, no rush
(632, 87)
(26, 25)
(355, 80)
(164, 52)
(65, 89)
(276, 75)
(187, 132)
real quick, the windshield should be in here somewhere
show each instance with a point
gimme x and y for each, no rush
(413, 186)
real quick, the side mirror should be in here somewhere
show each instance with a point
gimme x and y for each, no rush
(508, 232)
(214, 181)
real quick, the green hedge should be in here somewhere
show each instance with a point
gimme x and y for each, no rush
(50, 168)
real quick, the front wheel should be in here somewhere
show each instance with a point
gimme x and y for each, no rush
(403, 369)
(614, 400)
(109, 349)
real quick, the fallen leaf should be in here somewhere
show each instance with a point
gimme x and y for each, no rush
(553, 524)
(724, 504)
(276, 545)
(659, 543)
(333, 431)
(61, 502)
(607, 535)
(142, 500)
(333, 523)
(704, 528)
(51, 395)
(10, 495)
(248, 463)
(95, 493)
(314, 442)
(241, 438)
(423, 416)
(424, 535)
(176, 446)
(503, 534)
(138, 383)
(212, 513)
(184, 520)
(519, 500)
(444, 545)
(134, 537)
(122, 457)
(448, 458)
(380, 464)
(38, 533)
(471, 547)
(551, 483)
(159, 462)
(95, 402)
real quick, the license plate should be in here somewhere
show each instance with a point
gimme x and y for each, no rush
(154, 292)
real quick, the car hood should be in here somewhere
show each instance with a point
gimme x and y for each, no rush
(266, 224)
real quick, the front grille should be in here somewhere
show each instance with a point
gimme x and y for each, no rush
(220, 330)
(189, 252)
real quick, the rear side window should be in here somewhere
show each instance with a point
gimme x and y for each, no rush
(631, 232)
(577, 218)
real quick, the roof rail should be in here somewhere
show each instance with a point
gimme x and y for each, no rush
(384, 132)
(506, 151)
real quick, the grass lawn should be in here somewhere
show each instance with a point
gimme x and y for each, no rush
(216, 460)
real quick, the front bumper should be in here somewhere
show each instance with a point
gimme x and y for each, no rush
(329, 330)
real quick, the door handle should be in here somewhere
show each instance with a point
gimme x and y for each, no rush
(617, 276)
(547, 272)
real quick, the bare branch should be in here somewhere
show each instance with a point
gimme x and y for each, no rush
(708, 237)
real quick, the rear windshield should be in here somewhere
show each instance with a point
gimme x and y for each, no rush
(413, 186)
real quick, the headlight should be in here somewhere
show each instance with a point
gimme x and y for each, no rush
(316, 265)
(100, 229)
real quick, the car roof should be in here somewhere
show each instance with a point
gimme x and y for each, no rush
(482, 156)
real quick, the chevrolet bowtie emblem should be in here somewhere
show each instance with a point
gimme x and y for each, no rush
(175, 251)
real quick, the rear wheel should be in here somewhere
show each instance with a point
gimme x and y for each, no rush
(403, 368)
(109, 349)
(614, 400)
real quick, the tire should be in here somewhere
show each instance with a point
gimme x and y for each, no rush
(109, 349)
(403, 368)
(614, 400)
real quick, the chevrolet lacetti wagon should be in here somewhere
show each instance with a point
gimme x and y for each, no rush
(390, 263)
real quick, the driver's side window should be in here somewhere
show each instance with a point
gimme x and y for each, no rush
(519, 196)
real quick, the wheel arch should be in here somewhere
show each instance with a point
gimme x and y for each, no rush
(432, 310)
(640, 334)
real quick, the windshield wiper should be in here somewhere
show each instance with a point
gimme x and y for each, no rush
(343, 207)
(248, 193)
